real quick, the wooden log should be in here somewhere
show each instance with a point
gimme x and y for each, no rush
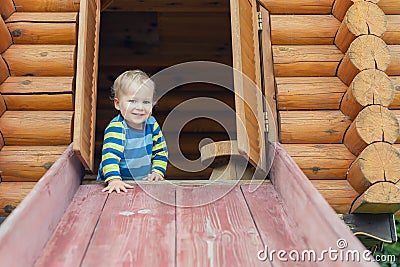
(41, 60)
(27, 163)
(3, 106)
(392, 34)
(377, 162)
(12, 193)
(40, 102)
(47, 6)
(43, 28)
(321, 161)
(381, 197)
(374, 123)
(338, 193)
(298, 7)
(4, 72)
(396, 112)
(313, 127)
(390, 7)
(309, 93)
(340, 7)
(37, 85)
(7, 8)
(365, 52)
(300, 29)
(5, 37)
(362, 18)
(396, 101)
(36, 127)
(369, 87)
(394, 67)
(306, 60)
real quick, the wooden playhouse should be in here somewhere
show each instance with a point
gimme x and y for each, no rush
(328, 68)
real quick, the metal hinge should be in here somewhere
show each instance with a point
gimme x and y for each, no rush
(259, 20)
(266, 121)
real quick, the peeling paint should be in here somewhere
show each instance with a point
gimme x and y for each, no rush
(126, 213)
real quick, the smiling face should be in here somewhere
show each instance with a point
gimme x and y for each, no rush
(135, 103)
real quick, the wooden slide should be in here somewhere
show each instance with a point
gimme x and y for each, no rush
(63, 223)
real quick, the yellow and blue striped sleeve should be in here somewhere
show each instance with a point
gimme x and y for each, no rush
(159, 151)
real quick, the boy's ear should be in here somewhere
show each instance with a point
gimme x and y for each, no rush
(116, 103)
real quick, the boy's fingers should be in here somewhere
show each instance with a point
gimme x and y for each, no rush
(105, 189)
(128, 185)
(124, 189)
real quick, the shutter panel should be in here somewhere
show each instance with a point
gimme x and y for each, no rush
(86, 81)
(248, 95)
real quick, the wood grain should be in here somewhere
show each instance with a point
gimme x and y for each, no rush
(47, 6)
(67, 245)
(4, 72)
(39, 102)
(5, 37)
(7, 8)
(12, 193)
(218, 233)
(391, 7)
(37, 85)
(27, 163)
(135, 214)
(392, 34)
(394, 67)
(298, 7)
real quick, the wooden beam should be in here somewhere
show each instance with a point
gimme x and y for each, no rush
(306, 60)
(4, 72)
(43, 28)
(381, 197)
(374, 123)
(37, 85)
(362, 18)
(309, 93)
(7, 8)
(340, 7)
(301, 30)
(32, 217)
(313, 127)
(321, 161)
(390, 7)
(5, 37)
(397, 113)
(377, 162)
(36, 127)
(396, 101)
(369, 87)
(12, 193)
(28, 60)
(298, 7)
(365, 52)
(3, 106)
(47, 6)
(392, 34)
(394, 67)
(40, 102)
(27, 163)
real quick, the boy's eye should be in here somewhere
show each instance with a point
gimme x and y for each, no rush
(132, 101)
(146, 102)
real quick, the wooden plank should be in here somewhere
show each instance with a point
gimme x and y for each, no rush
(268, 73)
(5, 37)
(247, 82)
(220, 233)
(37, 85)
(28, 60)
(301, 199)
(34, 32)
(390, 7)
(306, 60)
(135, 214)
(36, 127)
(39, 102)
(397, 113)
(7, 8)
(276, 227)
(47, 6)
(12, 193)
(298, 7)
(54, 17)
(313, 127)
(68, 244)
(27, 163)
(4, 72)
(394, 66)
(165, 6)
(86, 82)
(301, 30)
(338, 193)
(321, 161)
(309, 93)
(396, 101)
(38, 215)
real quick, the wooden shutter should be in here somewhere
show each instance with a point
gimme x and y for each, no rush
(86, 81)
(248, 98)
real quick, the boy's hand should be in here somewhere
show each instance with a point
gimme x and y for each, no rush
(154, 177)
(117, 185)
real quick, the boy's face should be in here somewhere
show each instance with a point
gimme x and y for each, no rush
(135, 104)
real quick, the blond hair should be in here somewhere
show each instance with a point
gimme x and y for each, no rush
(126, 79)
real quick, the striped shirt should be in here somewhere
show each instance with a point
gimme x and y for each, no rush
(130, 154)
